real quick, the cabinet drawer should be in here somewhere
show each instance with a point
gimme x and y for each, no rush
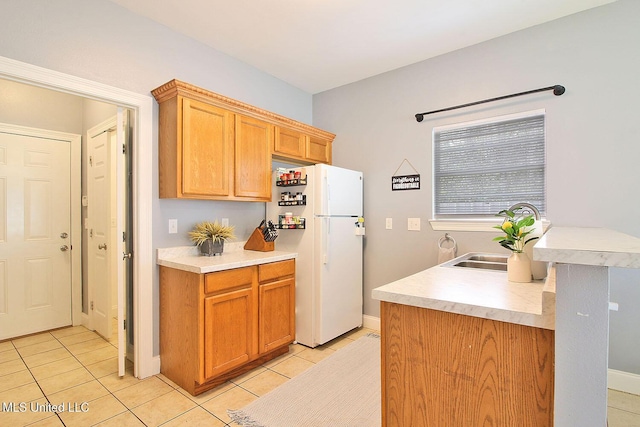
(275, 270)
(228, 279)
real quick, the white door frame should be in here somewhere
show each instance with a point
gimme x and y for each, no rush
(75, 143)
(145, 363)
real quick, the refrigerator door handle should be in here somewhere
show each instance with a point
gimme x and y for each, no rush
(327, 191)
(325, 240)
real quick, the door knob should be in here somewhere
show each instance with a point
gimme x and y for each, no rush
(126, 256)
(64, 248)
(102, 246)
(64, 235)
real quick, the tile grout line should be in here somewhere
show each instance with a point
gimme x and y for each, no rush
(35, 380)
(98, 380)
(85, 367)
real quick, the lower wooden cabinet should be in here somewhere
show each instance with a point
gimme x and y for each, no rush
(228, 331)
(277, 314)
(216, 326)
(447, 369)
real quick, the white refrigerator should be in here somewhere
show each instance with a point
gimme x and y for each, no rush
(329, 288)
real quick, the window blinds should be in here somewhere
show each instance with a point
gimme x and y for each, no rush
(481, 169)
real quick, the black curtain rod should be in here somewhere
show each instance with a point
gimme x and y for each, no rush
(557, 91)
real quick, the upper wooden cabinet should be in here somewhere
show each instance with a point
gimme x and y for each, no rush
(290, 144)
(204, 152)
(252, 176)
(318, 150)
(214, 147)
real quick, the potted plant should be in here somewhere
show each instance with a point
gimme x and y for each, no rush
(210, 237)
(515, 225)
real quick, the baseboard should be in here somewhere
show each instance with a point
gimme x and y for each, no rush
(147, 371)
(371, 322)
(623, 381)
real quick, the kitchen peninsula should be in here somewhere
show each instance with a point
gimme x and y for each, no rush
(469, 347)
(224, 315)
(462, 346)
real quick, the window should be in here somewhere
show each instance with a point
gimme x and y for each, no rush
(480, 168)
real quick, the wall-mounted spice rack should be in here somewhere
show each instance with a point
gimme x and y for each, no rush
(288, 199)
(291, 222)
(291, 182)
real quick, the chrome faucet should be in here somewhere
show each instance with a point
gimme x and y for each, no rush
(527, 208)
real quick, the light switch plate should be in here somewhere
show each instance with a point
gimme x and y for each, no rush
(413, 224)
(173, 226)
(389, 223)
(224, 222)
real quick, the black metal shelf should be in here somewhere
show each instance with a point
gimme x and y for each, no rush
(293, 203)
(290, 226)
(291, 182)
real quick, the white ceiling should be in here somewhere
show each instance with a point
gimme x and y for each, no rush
(317, 45)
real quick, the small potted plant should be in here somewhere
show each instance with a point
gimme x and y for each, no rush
(210, 237)
(515, 226)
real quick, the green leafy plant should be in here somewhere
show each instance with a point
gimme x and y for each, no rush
(514, 225)
(215, 231)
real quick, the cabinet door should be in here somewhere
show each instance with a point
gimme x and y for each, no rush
(277, 314)
(254, 139)
(289, 143)
(228, 331)
(318, 150)
(206, 154)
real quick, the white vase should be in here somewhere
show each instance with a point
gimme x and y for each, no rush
(519, 268)
(538, 268)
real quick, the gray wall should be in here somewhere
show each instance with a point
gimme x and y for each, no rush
(103, 42)
(592, 141)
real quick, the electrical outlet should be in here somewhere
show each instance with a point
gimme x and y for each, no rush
(225, 222)
(173, 226)
(389, 223)
(413, 224)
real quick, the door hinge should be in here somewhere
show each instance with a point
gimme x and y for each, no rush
(124, 324)
(124, 236)
(91, 232)
(91, 305)
(124, 148)
(90, 160)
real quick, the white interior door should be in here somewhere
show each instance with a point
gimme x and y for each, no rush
(99, 213)
(106, 214)
(35, 227)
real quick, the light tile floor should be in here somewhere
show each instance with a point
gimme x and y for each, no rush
(78, 368)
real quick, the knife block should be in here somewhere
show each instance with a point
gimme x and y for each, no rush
(256, 242)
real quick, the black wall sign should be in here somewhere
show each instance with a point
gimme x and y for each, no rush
(405, 182)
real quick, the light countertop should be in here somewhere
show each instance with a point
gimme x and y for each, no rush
(187, 258)
(478, 293)
(588, 246)
(490, 295)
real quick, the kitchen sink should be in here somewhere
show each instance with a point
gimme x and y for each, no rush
(481, 261)
(489, 258)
